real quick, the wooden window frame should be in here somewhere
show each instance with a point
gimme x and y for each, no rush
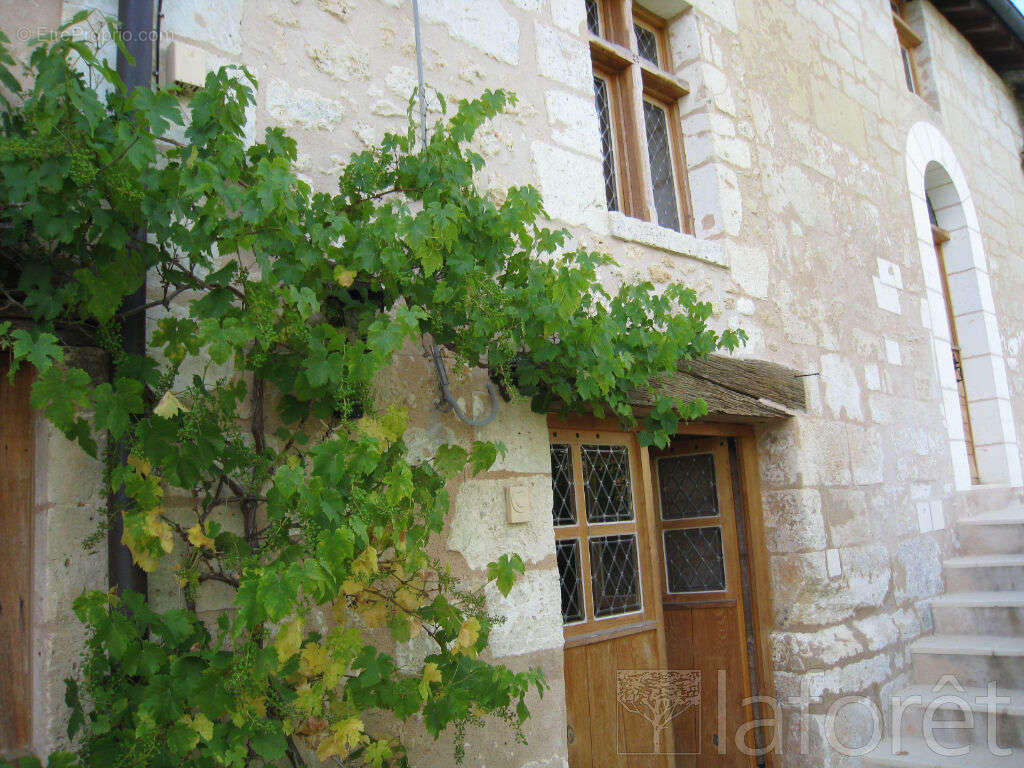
(909, 41)
(593, 627)
(632, 79)
(646, 19)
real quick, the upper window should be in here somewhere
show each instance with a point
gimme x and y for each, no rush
(909, 41)
(641, 141)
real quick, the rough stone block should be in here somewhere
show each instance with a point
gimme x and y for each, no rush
(794, 521)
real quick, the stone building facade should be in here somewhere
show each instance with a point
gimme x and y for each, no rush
(810, 167)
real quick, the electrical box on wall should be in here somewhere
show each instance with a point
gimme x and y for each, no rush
(184, 65)
(517, 504)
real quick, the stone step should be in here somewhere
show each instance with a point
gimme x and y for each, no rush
(989, 612)
(984, 572)
(999, 532)
(1009, 516)
(971, 716)
(915, 753)
(972, 660)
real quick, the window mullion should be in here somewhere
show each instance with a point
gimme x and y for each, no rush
(581, 519)
(636, 154)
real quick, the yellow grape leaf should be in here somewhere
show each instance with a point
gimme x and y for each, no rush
(313, 660)
(344, 277)
(202, 725)
(431, 674)
(415, 626)
(351, 587)
(408, 599)
(259, 705)
(159, 529)
(169, 406)
(335, 669)
(309, 700)
(366, 563)
(140, 465)
(338, 612)
(394, 422)
(343, 738)
(197, 537)
(371, 428)
(374, 612)
(289, 639)
(142, 556)
(468, 635)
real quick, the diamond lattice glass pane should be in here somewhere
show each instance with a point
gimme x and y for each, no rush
(593, 17)
(662, 175)
(646, 43)
(694, 560)
(686, 485)
(614, 574)
(607, 490)
(604, 119)
(567, 552)
(563, 489)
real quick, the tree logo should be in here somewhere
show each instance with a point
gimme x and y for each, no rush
(659, 696)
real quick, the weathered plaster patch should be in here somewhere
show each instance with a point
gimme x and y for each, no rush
(533, 621)
(302, 107)
(842, 391)
(484, 24)
(479, 530)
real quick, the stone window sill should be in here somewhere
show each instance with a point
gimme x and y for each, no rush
(677, 243)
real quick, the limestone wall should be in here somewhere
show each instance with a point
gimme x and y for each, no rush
(795, 133)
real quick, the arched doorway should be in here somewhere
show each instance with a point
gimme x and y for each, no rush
(966, 342)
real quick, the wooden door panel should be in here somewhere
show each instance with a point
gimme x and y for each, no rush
(705, 639)
(577, 705)
(606, 733)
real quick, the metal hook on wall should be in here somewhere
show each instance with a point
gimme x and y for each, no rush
(446, 393)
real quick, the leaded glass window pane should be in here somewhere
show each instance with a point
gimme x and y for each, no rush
(567, 552)
(607, 489)
(646, 43)
(614, 574)
(687, 487)
(563, 489)
(604, 119)
(593, 17)
(694, 560)
(908, 70)
(662, 174)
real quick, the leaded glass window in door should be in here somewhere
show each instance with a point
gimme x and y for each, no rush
(696, 517)
(598, 543)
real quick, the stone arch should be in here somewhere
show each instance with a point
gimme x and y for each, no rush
(936, 178)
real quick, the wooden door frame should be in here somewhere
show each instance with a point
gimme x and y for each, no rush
(17, 587)
(749, 505)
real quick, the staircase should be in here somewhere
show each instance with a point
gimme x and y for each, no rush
(978, 641)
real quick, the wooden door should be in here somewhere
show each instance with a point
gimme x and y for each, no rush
(941, 236)
(610, 604)
(705, 628)
(16, 468)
